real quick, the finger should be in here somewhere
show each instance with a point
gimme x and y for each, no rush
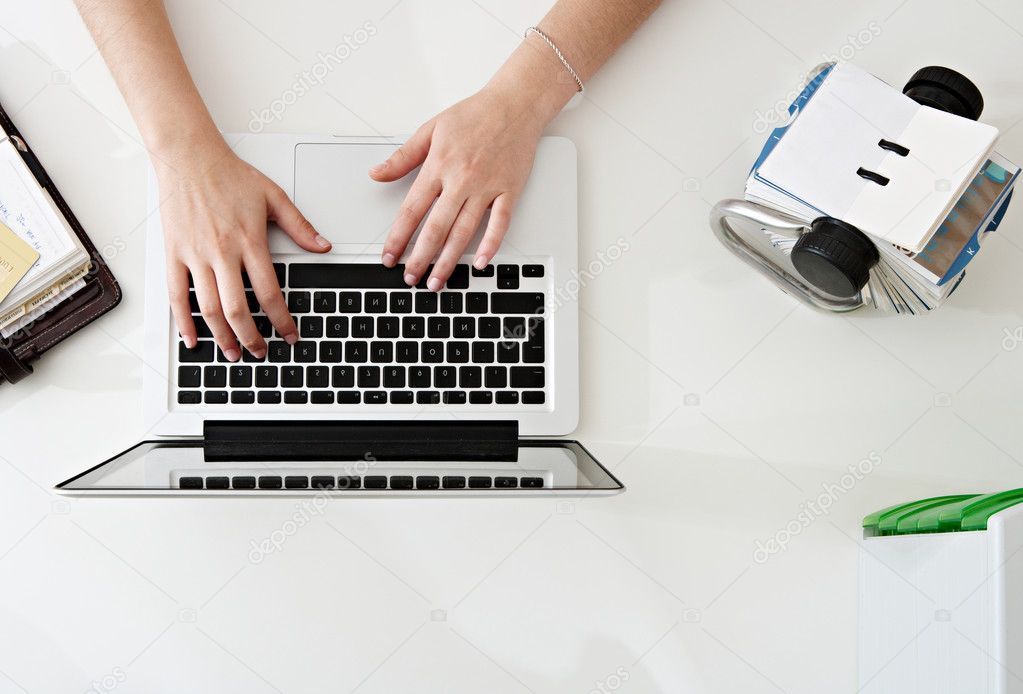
(177, 290)
(264, 283)
(407, 157)
(497, 227)
(462, 231)
(431, 238)
(236, 310)
(209, 305)
(415, 206)
(293, 222)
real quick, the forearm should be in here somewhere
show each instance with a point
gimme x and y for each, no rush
(587, 32)
(138, 45)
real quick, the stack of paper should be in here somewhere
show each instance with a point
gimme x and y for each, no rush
(925, 185)
(61, 262)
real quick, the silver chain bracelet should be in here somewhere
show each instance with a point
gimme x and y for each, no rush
(557, 52)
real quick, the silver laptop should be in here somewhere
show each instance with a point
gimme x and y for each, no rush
(475, 382)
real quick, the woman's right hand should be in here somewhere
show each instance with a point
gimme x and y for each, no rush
(214, 212)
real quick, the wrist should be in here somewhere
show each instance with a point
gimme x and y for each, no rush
(174, 151)
(534, 78)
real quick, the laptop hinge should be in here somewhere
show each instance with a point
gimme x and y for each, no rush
(454, 440)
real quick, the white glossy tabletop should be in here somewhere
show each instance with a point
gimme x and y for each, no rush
(723, 405)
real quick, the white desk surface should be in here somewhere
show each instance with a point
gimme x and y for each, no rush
(722, 404)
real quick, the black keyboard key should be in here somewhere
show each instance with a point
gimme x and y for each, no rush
(533, 397)
(394, 377)
(488, 271)
(349, 302)
(317, 377)
(369, 376)
(299, 302)
(355, 482)
(419, 376)
(324, 302)
(482, 352)
(454, 397)
(243, 482)
(280, 272)
(270, 482)
(375, 397)
(522, 303)
(243, 397)
(458, 352)
(433, 352)
(480, 483)
(296, 482)
(438, 327)
(189, 376)
(453, 482)
(375, 482)
(489, 326)
(322, 481)
(413, 327)
(263, 325)
(459, 278)
(278, 351)
(532, 270)
(241, 376)
(252, 301)
(337, 326)
(218, 482)
(215, 397)
(292, 376)
(470, 377)
(507, 397)
(464, 326)
(481, 397)
(450, 302)
(527, 377)
(311, 326)
(402, 397)
(249, 358)
(508, 352)
(342, 376)
(268, 397)
(507, 276)
(406, 352)
(202, 352)
(387, 326)
(496, 376)
(427, 482)
(193, 302)
(514, 328)
(381, 352)
(321, 397)
(505, 482)
(401, 481)
(426, 302)
(476, 302)
(533, 349)
(427, 397)
(346, 276)
(296, 397)
(356, 352)
(401, 302)
(189, 397)
(201, 328)
(362, 326)
(349, 397)
(331, 351)
(444, 376)
(266, 376)
(376, 302)
(190, 483)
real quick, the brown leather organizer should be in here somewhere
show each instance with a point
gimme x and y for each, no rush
(100, 293)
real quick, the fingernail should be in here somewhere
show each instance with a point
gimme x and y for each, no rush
(190, 342)
(233, 354)
(434, 284)
(410, 279)
(480, 262)
(291, 338)
(378, 168)
(322, 242)
(389, 259)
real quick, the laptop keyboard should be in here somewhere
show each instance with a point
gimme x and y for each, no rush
(366, 338)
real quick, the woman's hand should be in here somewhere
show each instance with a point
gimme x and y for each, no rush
(476, 154)
(214, 214)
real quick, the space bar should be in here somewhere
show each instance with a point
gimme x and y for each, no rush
(345, 276)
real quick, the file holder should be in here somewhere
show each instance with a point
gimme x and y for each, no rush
(829, 265)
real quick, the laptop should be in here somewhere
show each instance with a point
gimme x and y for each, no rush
(390, 390)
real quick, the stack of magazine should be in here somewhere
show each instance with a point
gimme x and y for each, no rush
(924, 185)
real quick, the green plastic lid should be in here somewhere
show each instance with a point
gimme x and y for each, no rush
(941, 514)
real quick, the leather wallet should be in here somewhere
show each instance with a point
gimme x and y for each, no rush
(100, 293)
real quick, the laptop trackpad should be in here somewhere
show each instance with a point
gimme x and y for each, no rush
(335, 193)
